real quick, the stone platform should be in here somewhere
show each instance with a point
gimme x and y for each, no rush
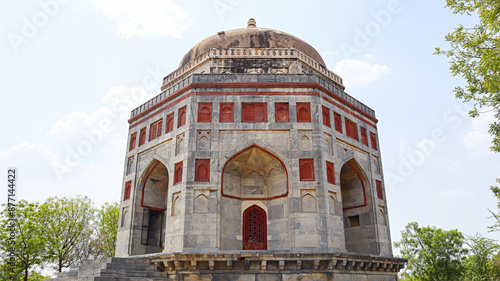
(240, 266)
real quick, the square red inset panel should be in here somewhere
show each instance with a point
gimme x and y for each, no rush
(178, 173)
(373, 140)
(364, 137)
(306, 167)
(205, 112)
(142, 136)
(351, 129)
(326, 116)
(379, 190)
(202, 170)
(226, 113)
(170, 123)
(181, 117)
(281, 112)
(128, 187)
(303, 112)
(330, 172)
(253, 112)
(133, 140)
(338, 123)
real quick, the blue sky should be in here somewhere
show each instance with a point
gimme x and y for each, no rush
(72, 71)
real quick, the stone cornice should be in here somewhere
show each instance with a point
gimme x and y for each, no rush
(275, 262)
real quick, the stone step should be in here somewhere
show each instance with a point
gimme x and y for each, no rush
(113, 269)
(109, 278)
(111, 272)
(113, 265)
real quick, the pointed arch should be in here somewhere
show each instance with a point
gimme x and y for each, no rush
(308, 203)
(305, 143)
(201, 204)
(245, 175)
(254, 228)
(357, 210)
(155, 186)
(332, 205)
(353, 183)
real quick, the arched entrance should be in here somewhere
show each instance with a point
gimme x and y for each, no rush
(254, 229)
(154, 204)
(359, 225)
(254, 174)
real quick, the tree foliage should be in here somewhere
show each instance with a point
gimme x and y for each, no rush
(432, 253)
(475, 55)
(496, 192)
(29, 243)
(479, 264)
(68, 222)
(57, 233)
(106, 229)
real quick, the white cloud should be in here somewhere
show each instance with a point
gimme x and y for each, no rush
(479, 140)
(76, 123)
(455, 194)
(122, 100)
(146, 18)
(360, 73)
(83, 152)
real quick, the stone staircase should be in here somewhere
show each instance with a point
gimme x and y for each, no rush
(113, 269)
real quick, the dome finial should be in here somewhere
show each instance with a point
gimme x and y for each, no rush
(252, 23)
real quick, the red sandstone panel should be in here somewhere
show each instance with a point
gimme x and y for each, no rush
(373, 140)
(306, 167)
(202, 170)
(379, 190)
(155, 130)
(326, 116)
(128, 187)
(330, 172)
(281, 112)
(170, 123)
(178, 173)
(351, 129)
(226, 112)
(253, 112)
(205, 112)
(182, 117)
(364, 137)
(142, 137)
(303, 112)
(133, 140)
(338, 123)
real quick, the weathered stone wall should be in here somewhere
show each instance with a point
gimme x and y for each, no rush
(309, 218)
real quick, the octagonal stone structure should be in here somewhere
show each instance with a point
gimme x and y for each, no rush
(254, 152)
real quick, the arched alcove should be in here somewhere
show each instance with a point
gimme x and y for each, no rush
(154, 203)
(359, 223)
(257, 177)
(155, 187)
(254, 173)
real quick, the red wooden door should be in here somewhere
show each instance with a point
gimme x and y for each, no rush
(254, 229)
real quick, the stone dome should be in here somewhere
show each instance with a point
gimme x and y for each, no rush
(251, 37)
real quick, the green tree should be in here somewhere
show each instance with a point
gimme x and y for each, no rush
(29, 243)
(479, 264)
(68, 224)
(475, 55)
(106, 230)
(496, 192)
(432, 253)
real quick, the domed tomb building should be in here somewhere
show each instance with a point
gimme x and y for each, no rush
(253, 161)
